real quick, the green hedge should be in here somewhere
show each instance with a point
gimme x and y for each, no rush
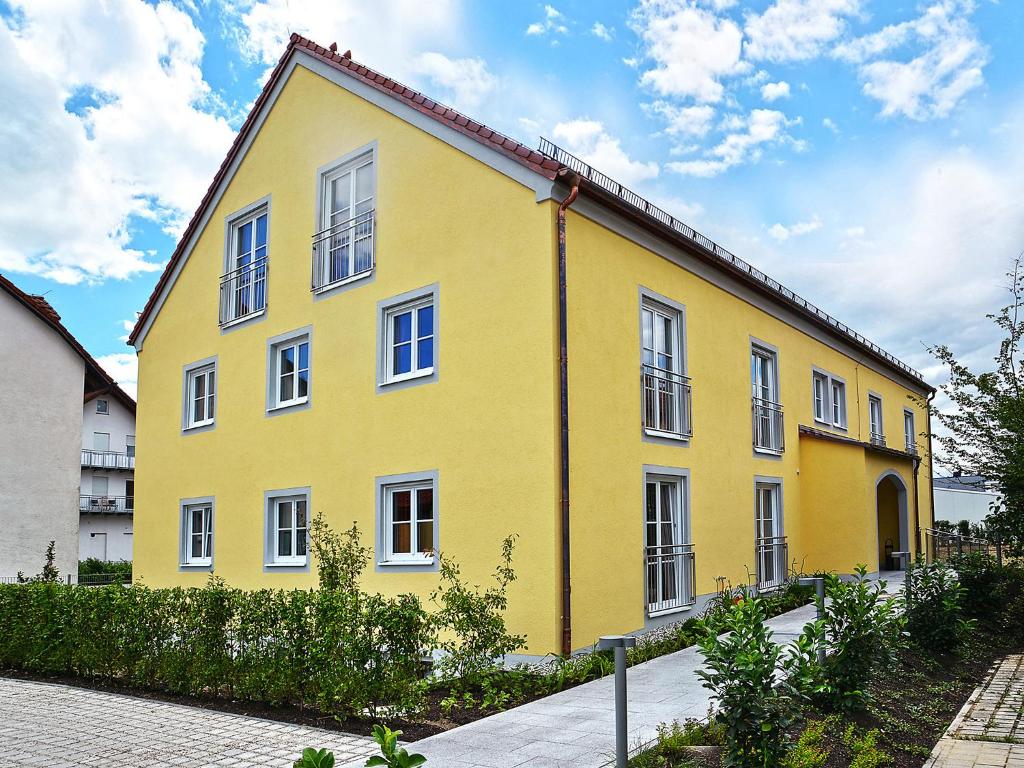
(339, 651)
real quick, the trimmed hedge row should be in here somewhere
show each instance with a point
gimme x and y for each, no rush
(339, 651)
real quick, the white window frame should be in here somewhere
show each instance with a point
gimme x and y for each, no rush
(234, 224)
(129, 445)
(102, 407)
(366, 156)
(414, 556)
(652, 307)
(205, 533)
(838, 404)
(832, 411)
(413, 308)
(775, 427)
(193, 375)
(297, 533)
(821, 391)
(909, 434)
(875, 406)
(679, 480)
(275, 346)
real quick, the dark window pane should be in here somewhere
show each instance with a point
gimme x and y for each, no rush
(197, 521)
(284, 543)
(400, 542)
(197, 546)
(652, 502)
(300, 543)
(425, 321)
(210, 382)
(401, 506)
(261, 231)
(425, 504)
(287, 388)
(287, 360)
(300, 513)
(425, 353)
(403, 358)
(284, 515)
(425, 536)
(303, 383)
(402, 327)
(303, 356)
(244, 244)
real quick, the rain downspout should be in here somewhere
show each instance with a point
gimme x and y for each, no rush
(563, 417)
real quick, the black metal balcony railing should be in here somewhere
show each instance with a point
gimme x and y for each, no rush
(671, 575)
(667, 398)
(107, 459)
(107, 505)
(877, 438)
(243, 291)
(769, 434)
(911, 447)
(343, 251)
(772, 557)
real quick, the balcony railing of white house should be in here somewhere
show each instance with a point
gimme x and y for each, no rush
(772, 557)
(769, 434)
(107, 505)
(243, 291)
(107, 459)
(671, 575)
(343, 251)
(667, 397)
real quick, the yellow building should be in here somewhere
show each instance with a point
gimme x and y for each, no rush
(373, 315)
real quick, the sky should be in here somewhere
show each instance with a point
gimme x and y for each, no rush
(865, 153)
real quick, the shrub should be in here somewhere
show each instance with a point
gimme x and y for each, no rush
(756, 706)
(474, 637)
(861, 626)
(392, 755)
(992, 592)
(934, 607)
(340, 557)
(808, 751)
(312, 758)
(864, 746)
(92, 570)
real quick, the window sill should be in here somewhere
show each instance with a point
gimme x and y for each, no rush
(769, 451)
(279, 564)
(669, 611)
(196, 566)
(243, 319)
(667, 435)
(289, 404)
(345, 281)
(198, 425)
(420, 374)
(425, 562)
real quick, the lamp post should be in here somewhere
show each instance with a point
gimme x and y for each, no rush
(619, 643)
(818, 583)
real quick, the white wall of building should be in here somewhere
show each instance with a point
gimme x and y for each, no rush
(955, 505)
(106, 537)
(41, 384)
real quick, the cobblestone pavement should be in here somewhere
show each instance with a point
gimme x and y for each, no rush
(989, 731)
(58, 726)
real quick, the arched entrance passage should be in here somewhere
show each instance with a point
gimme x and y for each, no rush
(893, 524)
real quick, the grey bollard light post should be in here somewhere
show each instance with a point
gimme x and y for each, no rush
(904, 560)
(619, 643)
(818, 582)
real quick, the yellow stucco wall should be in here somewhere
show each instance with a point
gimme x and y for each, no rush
(828, 488)
(487, 425)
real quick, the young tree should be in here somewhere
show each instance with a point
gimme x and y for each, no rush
(985, 428)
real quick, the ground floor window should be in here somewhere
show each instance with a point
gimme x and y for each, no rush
(668, 550)
(198, 534)
(769, 539)
(290, 527)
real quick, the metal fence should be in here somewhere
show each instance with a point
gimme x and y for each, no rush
(772, 557)
(940, 546)
(667, 398)
(671, 574)
(107, 505)
(343, 251)
(107, 459)
(768, 426)
(243, 291)
(75, 580)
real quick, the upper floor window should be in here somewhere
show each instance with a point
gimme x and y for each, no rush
(875, 419)
(666, 388)
(102, 406)
(200, 395)
(407, 328)
(343, 248)
(289, 369)
(910, 436)
(838, 404)
(767, 411)
(129, 445)
(243, 288)
(821, 404)
(829, 399)
(197, 525)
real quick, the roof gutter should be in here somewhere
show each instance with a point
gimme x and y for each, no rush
(563, 418)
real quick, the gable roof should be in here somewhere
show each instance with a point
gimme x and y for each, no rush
(97, 380)
(549, 162)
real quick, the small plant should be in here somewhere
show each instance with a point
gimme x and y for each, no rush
(808, 751)
(935, 612)
(674, 741)
(312, 758)
(49, 573)
(340, 557)
(864, 746)
(391, 755)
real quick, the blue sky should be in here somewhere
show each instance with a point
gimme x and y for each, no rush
(861, 151)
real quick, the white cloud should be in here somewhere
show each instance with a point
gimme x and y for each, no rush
(796, 30)
(123, 368)
(782, 233)
(554, 22)
(773, 91)
(949, 62)
(682, 121)
(127, 326)
(589, 140)
(141, 137)
(468, 80)
(692, 49)
(762, 127)
(829, 123)
(602, 32)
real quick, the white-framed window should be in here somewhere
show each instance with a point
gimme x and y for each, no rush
(767, 411)
(409, 339)
(666, 388)
(820, 386)
(102, 406)
(343, 248)
(290, 372)
(410, 522)
(129, 445)
(243, 287)
(770, 544)
(198, 532)
(200, 396)
(838, 404)
(875, 419)
(910, 435)
(101, 441)
(669, 551)
(289, 519)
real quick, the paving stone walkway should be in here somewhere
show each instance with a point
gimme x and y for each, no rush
(58, 726)
(989, 731)
(576, 728)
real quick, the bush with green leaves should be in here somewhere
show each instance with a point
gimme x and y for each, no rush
(934, 600)
(92, 570)
(993, 593)
(809, 750)
(391, 755)
(861, 626)
(315, 758)
(749, 677)
(471, 622)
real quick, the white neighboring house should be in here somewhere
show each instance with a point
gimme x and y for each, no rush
(107, 500)
(46, 379)
(962, 497)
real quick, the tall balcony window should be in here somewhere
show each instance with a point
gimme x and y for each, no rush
(343, 248)
(243, 288)
(666, 389)
(768, 426)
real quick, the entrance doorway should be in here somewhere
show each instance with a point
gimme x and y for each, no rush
(893, 526)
